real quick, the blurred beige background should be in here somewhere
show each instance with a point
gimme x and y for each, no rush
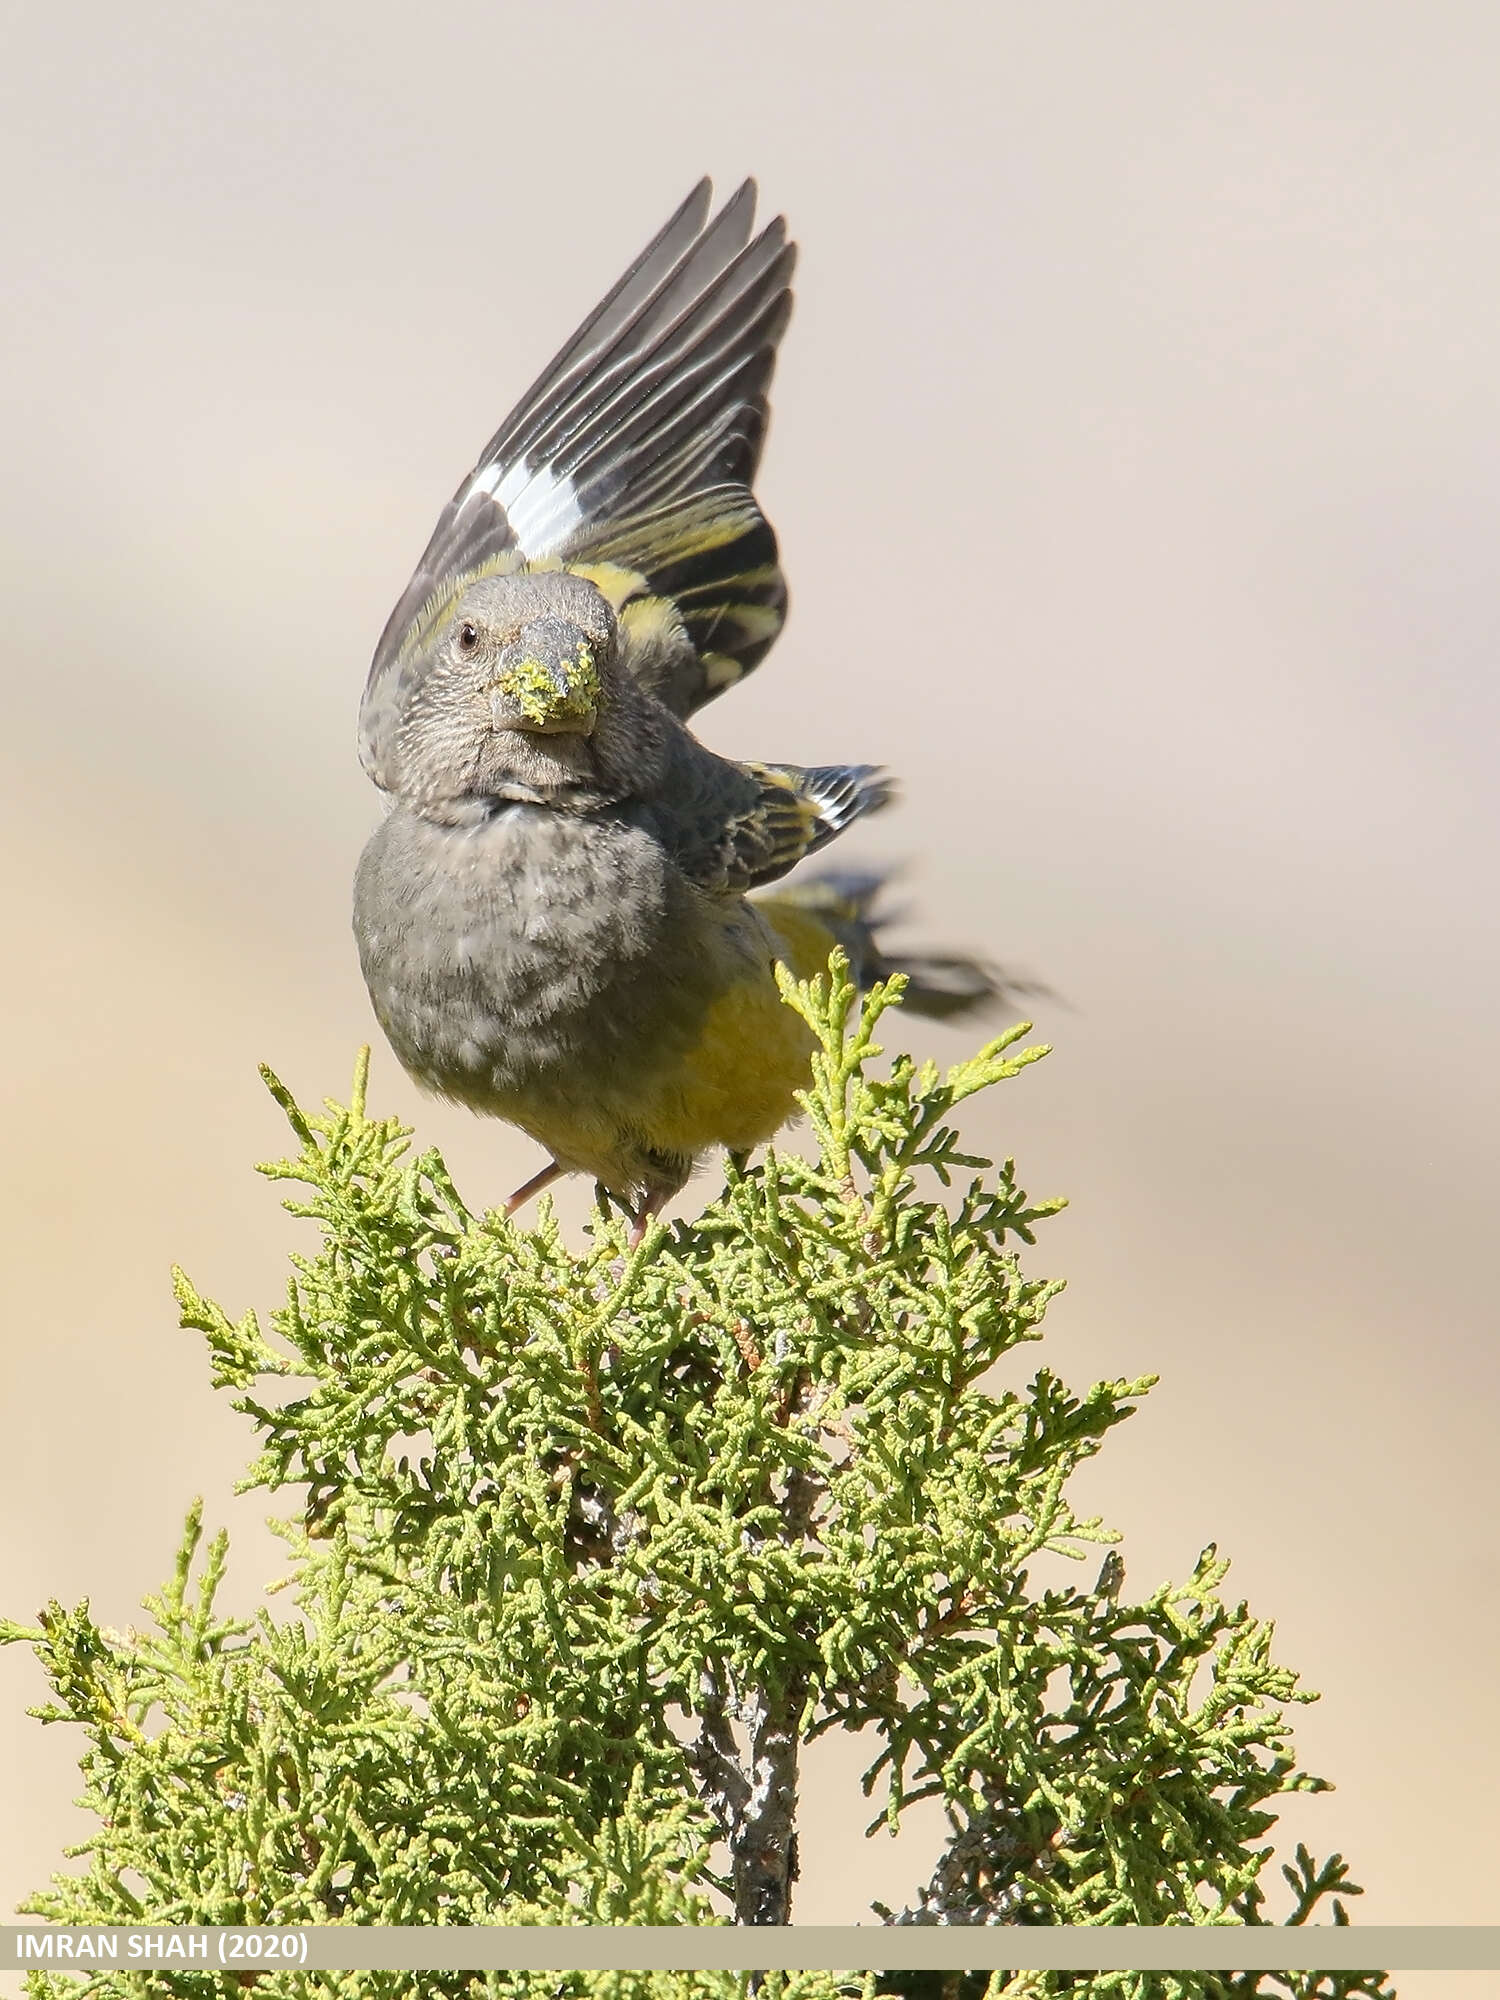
(1137, 464)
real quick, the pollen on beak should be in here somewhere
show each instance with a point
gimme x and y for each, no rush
(548, 683)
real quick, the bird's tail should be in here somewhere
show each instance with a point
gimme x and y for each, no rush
(842, 908)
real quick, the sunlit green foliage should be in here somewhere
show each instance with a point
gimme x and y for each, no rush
(582, 1546)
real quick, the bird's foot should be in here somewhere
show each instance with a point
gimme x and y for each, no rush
(652, 1205)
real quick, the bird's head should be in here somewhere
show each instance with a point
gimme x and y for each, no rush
(519, 696)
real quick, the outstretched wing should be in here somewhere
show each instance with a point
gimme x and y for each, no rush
(731, 827)
(630, 458)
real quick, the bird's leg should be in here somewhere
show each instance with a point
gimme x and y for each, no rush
(651, 1204)
(551, 1172)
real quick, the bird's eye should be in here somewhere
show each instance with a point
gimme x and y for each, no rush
(468, 637)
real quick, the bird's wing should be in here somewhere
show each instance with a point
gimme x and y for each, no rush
(631, 458)
(731, 827)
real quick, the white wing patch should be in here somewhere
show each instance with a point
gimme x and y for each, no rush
(542, 506)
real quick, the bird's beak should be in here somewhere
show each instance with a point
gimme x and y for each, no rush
(548, 683)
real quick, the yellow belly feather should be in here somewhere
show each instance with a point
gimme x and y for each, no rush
(735, 1088)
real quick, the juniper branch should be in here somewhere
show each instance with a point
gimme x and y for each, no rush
(779, 1471)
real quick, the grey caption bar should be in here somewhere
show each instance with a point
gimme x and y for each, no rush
(789, 1948)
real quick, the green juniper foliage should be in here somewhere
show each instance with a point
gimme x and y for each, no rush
(583, 1548)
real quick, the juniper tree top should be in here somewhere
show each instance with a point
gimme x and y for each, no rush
(585, 1546)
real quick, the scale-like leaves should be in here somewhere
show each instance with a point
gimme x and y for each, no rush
(572, 1531)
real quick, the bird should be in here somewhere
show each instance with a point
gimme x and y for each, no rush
(554, 918)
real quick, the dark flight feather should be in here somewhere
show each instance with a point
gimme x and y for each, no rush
(731, 827)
